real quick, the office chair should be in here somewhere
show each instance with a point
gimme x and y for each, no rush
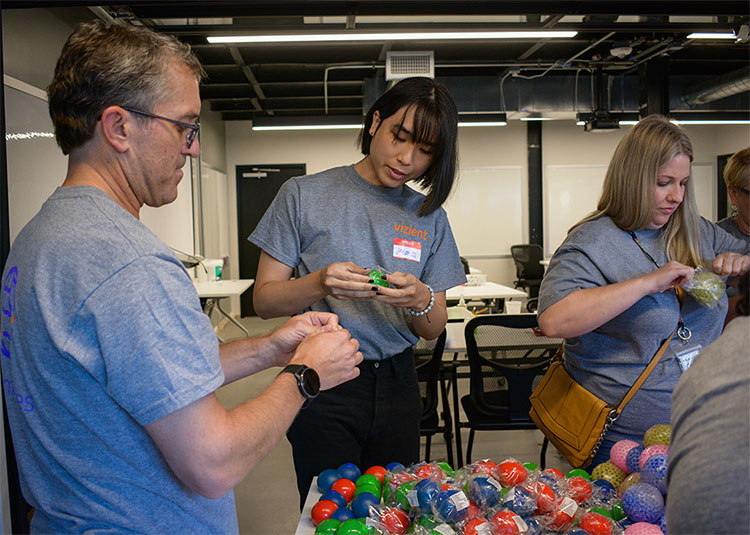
(428, 355)
(465, 264)
(506, 360)
(529, 271)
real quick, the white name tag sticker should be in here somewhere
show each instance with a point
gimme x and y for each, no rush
(407, 249)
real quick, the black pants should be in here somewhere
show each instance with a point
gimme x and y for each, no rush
(370, 420)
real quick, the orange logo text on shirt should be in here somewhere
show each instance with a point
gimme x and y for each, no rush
(409, 230)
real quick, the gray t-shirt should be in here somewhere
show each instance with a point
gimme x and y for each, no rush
(709, 452)
(608, 360)
(731, 227)
(102, 334)
(337, 216)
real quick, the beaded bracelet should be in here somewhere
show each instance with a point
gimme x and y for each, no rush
(429, 307)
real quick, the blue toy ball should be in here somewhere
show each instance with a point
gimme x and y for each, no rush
(643, 503)
(654, 472)
(485, 491)
(577, 532)
(349, 471)
(452, 505)
(552, 482)
(394, 467)
(535, 528)
(327, 478)
(427, 492)
(605, 491)
(631, 460)
(361, 504)
(520, 502)
(342, 514)
(335, 497)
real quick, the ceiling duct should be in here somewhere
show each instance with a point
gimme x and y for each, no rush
(723, 86)
(400, 65)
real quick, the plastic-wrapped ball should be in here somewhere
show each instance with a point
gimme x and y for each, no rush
(650, 451)
(579, 472)
(544, 495)
(446, 468)
(451, 505)
(427, 492)
(576, 531)
(631, 459)
(362, 504)
(395, 521)
(534, 527)
(643, 503)
(595, 524)
(485, 467)
(604, 491)
(394, 467)
(531, 466)
(342, 514)
(657, 434)
(429, 470)
(322, 511)
(477, 526)
(602, 511)
(334, 496)
(563, 514)
(349, 471)
(402, 494)
(643, 528)
(609, 472)
(510, 473)
(352, 527)
(619, 452)
(484, 491)
(505, 522)
(579, 489)
(654, 472)
(629, 481)
(617, 513)
(326, 479)
(327, 527)
(520, 502)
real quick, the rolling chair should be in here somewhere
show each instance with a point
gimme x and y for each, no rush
(503, 372)
(529, 271)
(428, 355)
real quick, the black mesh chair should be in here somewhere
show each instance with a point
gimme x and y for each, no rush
(465, 264)
(506, 360)
(428, 355)
(529, 271)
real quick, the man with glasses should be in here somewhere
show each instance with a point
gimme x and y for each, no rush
(109, 364)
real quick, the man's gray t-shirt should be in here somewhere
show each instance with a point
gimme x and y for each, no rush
(608, 360)
(709, 452)
(102, 334)
(337, 216)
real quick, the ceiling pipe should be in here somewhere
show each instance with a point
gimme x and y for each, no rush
(726, 85)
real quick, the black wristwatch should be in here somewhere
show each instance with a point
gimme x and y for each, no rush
(308, 381)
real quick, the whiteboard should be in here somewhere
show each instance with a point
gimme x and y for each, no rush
(487, 210)
(572, 191)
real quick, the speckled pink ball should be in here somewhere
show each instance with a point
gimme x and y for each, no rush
(643, 528)
(652, 450)
(619, 453)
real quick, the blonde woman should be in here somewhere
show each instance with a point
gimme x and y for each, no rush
(609, 287)
(737, 179)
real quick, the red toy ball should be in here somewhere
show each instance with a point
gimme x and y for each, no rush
(473, 527)
(395, 520)
(429, 471)
(507, 522)
(377, 471)
(346, 487)
(554, 472)
(595, 524)
(485, 467)
(563, 514)
(545, 497)
(579, 489)
(510, 473)
(323, 510)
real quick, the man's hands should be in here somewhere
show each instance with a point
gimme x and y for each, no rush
(286, 338)
(333, 354)
(731, 264)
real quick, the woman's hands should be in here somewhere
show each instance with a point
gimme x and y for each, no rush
(346, 280)
(668, 276)
(409, 292)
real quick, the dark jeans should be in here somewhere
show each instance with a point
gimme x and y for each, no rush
(370, 420)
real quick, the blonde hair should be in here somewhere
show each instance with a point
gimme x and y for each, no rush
(628, 190)
(737, 170)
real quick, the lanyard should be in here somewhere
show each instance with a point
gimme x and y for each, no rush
(682, 331)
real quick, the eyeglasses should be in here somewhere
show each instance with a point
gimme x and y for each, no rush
(192, 128)
(743, 190)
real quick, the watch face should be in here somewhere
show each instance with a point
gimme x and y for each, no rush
(311, 381)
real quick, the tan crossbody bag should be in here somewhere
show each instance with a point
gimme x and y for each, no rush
(574, 419)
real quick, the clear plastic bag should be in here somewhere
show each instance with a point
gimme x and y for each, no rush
(706, 287)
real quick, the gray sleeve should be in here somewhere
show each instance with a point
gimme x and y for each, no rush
(443, 268)
(571, 268)
(278, 233)
(722, 241)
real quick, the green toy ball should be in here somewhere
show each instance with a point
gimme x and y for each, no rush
(657, 434)
(446, 468)
(368, 479)
(367, 488)
(579, 472)
(617, 512)
(327, 527)
(402, 493)
(352, 527)
(377, 278)
(531, 466)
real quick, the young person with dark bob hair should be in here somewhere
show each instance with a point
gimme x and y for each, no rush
(334, 227)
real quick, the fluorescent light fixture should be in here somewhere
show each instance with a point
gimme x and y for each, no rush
(628, 123)
(482, 119)
(387, 36)
(537, 119)
(710, 121)
(324, 122)
(699, 35)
